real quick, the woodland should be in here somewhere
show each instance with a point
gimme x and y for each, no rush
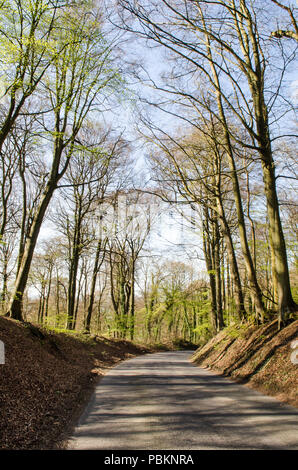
(123, 123)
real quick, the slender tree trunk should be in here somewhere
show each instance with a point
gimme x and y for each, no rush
(93, 285)
(57, 320)
(74, 265)
(209, 265)
(233, 265)
(228, 292)
(217, 265)
(4, 281)
(49, 291)
(132, 301)
(39, 312)
(72, 286)
(223, 280)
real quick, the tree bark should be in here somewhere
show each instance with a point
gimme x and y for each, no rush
(234, 271)
(210, 268)
(217, 265)
(93, 285)
(15, 304)
(280, 268)
(132, 301)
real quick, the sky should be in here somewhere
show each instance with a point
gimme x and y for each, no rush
(170, 237)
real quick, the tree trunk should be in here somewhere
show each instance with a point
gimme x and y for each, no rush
(255, 72)
(217, 266)
(232, 261)
(251, 273)
(93, 285)
(4, 282)
(49, 291)
(72, 285)
(253, 283)
(280, 269)
(15, 304)
(132, 301)
(209, 265)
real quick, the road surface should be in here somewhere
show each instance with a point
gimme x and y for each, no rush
(163, 401)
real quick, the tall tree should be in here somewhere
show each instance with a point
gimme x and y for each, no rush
(76, 82)
(229, 55)
(28, 33)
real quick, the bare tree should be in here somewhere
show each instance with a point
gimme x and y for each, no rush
(124, 249)
(85, 189)
(287, 33)
(228, 56)
(77, 80)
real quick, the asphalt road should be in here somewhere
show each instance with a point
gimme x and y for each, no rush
(163, 401)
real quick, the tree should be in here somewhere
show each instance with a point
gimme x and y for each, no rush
(98, 261)
(77, 79)
(133, 223)
(176, 303)
(195, 167)
(28, 33)
(228, 56)
(87, 181)
(41, 277)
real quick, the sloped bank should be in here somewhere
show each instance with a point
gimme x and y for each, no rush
(259, 357)
(47, 379)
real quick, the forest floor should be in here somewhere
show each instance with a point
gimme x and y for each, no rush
(259, 357)
(48, 379)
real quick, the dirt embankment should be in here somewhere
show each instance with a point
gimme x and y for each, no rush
(259, 357)
(47, 380)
